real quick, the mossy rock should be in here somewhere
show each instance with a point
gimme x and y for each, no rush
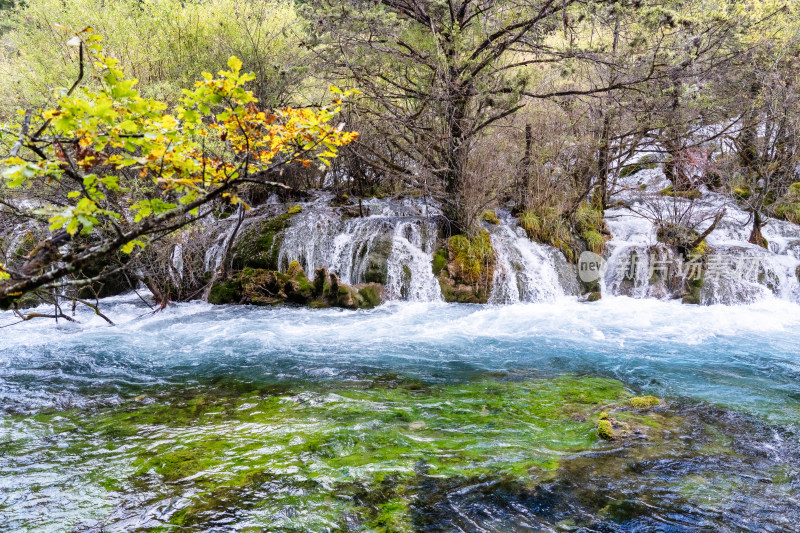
(472, 259)
(466, 275)
(110, 286)
(27, 301)
(644, 163)
(676, 235)
(462, 294)
(644, 402)
(295, 269)
(691, 194)
(788, 211)
(377, 262)
(590, 226)
(692, 295)
(227, 291)
(490, 217)
(797, 273)
(594, 296)
(605, 430)
(371, 295)
(259, 246)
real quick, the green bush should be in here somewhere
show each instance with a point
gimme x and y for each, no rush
(548, 226)
(490, 217)
(471, 256)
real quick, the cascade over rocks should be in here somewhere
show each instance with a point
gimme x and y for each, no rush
(320, 253)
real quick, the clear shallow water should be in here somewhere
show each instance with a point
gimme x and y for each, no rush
(723, 458)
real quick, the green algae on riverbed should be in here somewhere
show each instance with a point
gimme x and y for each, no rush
(360, 456)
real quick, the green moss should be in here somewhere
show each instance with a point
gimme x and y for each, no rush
(226, 291)
(260, 246)
(370, 295)
(594, 241)
(439, 261)
(693, 292)
(692, 194)
(530, 222)
(788, 211)
(472, 257)
(587, 218)
(742, 193)
(646, 162)
(547, 225)
(378, 453)
(605, 430)
(490, 217)
(377, 268)
(644, 402)
(594, 296)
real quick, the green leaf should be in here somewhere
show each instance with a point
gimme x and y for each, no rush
(128, 247)
(235, 64)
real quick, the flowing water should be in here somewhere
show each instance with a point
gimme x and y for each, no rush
(420, 415)
(408, 417)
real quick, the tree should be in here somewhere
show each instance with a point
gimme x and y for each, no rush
(437, 75)
(111, 170)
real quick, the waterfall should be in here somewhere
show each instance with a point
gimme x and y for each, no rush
(216, 252)
(733, 270)
(391, 241)
(525, 271)
(393, 244)
(410, 272)
(176, 265)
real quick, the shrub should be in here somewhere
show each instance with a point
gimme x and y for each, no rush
(165, 44)
(471, 257)
(490, 217)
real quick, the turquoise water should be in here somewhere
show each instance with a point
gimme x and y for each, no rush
(722, 452)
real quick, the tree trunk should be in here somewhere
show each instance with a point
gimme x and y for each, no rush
(755, 236)
(525, 186)
(455, 159)
(603, 155)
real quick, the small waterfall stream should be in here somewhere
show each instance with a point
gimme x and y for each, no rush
(526, 271)
(410, 274)
(393, 244)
